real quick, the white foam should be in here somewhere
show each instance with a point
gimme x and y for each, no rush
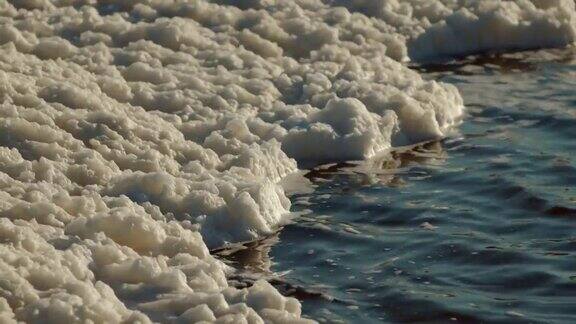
(134, 136)
(487, 26)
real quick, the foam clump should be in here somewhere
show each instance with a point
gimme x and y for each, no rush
(485, 26)
(444, 29)
(137, 135)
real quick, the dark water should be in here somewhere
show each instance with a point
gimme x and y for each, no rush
(480, 227)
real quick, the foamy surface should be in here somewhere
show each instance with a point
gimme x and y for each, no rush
(137, 135)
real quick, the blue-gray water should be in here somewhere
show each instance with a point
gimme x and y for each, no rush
(480, 227)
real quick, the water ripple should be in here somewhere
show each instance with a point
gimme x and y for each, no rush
(479, 228)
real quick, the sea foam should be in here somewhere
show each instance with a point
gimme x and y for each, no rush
(137, 135)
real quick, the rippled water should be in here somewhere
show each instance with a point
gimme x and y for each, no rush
(480, 227)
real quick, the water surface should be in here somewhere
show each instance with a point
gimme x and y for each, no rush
(480, 227)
